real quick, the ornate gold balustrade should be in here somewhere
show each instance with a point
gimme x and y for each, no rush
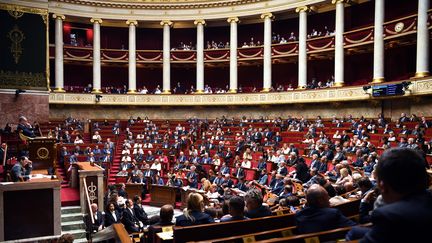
(417, 88)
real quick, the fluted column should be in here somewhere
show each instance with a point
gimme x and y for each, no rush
(339, 43)
(59, 76)
(302, 62)
(422, 69)
(132, 55)
(96, 55)
(267, 77)
(200, 56)
(166, 56)
(378, 72)
(233, 54)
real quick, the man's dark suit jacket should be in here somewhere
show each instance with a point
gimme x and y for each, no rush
(312, 219)
(408, 220)
(109, 219)
(140, 214)
(129, 220)
(92, 227)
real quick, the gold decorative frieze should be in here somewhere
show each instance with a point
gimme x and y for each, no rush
(164, 5)
(418, 87)
(13, 80)
(18, 10)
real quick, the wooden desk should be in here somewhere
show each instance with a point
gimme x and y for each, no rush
(133, 189)
(161, 195)
(20, 218)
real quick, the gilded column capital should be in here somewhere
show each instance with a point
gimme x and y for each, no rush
(233, 19)
(303, 9)
(166, 22)
(267, 15)
(199, 21)
(132, 22)
(96, 20)
(59, 16)
(340, 1)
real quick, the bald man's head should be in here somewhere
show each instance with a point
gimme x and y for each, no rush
(317, 197)
(166, 213)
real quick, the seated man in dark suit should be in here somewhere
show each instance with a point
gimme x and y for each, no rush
(129, 219)
(165, 219)
(97, 224)
(407, 213)
(236, 210)
(25, 127)
(21, 169)
(254, 201)
(317, 215)
(139, 210)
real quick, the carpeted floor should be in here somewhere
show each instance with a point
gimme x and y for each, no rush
(69, 197)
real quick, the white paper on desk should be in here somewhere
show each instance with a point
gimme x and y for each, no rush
(166, 235)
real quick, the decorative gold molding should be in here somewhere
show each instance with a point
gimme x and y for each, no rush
(13, 7)
(378, 80)
(9, 79)
(267, 15)
(132, 22)
(166, 22)
(96, 91)
(96, 20)
(233, 19)
(151, 4)
(340, 1)
(303, 9)
(344, 94)
(339, 84)
(59, 16)
(199, 21)
(421, 74)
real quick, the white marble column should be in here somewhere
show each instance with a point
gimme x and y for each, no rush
(302, 62)
(132, 55)
(233, 86)
(422, 69)
(96, 55)
(166, 56)
(267, 77)
(59, 76)
(200, 56)
(378, 71)
(339, 43)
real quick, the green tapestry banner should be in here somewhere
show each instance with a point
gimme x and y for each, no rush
(23, 48)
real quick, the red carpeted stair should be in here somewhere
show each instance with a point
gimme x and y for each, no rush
(115, 166)
(69, 196)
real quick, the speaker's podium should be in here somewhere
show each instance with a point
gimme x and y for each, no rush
(42, 151)
(32, 208)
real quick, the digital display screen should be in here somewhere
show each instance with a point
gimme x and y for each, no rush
(387, 90)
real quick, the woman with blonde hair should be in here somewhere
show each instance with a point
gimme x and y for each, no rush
(205, 184)
(193, 214)
(345, 177)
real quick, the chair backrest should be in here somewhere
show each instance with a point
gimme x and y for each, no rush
(225, 229)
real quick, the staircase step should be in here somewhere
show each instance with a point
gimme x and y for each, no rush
(71, 210)
(71, 217)
(73, 225)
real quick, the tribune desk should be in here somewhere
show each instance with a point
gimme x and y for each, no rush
(31, 208)
(94, 180)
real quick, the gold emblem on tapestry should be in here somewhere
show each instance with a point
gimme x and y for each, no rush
(15, 13)
(16, 36)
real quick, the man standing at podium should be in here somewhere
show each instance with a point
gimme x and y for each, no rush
(21, 170)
